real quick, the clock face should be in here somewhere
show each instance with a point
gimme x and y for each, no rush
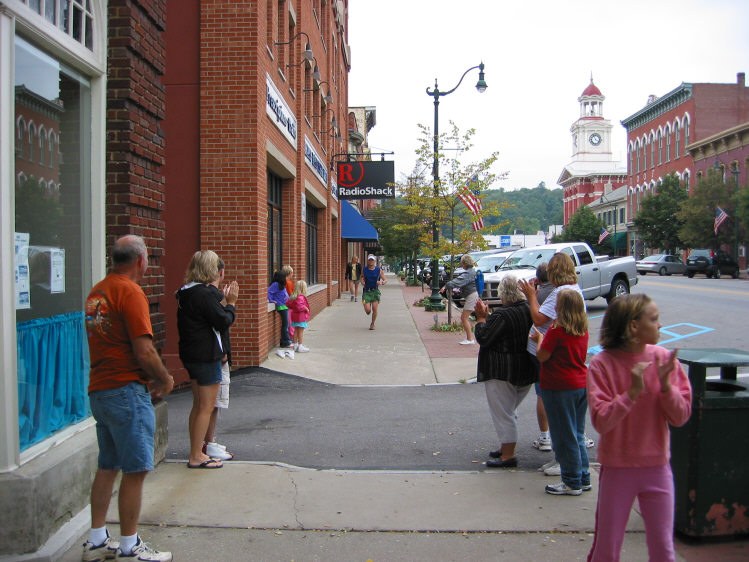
(595, 139)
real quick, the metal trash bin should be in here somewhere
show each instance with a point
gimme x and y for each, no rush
(709, 453)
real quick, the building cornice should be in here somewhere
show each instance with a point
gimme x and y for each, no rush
(652, 111)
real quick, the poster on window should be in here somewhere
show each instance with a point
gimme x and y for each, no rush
(21, 262)
(57, 270)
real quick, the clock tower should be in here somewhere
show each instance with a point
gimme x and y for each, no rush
(592, 164)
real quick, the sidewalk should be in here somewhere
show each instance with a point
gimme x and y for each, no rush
(269, 511)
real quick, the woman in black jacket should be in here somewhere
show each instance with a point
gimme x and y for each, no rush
(353, 276)
(204, 312)
(504, 365)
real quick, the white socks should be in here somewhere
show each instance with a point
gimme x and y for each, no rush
(127, 543)
(98, 536)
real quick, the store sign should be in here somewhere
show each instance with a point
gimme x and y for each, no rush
(334, 188)
(314, 161)
(279, 112)
(366, 180)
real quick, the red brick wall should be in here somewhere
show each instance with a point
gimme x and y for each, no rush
(135, 141)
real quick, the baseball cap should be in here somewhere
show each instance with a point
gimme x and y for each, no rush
(371, 257)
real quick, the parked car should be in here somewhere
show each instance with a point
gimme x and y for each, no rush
(487, 264)
(711, 264)
(598, 276)
(662, 264)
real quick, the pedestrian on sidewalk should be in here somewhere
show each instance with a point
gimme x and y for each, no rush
(561, 274)
(543, 290)
(504, 365)
(125, 367)
(278, 295)
(466, 282)
(561, 352)
(353, 274)
(202, 314)
(300, 314)
(636, 389)
(372, 278)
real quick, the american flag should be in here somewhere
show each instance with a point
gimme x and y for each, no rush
(472, 201)
(720, 216)
(604, 234)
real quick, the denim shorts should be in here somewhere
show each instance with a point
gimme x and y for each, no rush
(125, 424)
(205, 374)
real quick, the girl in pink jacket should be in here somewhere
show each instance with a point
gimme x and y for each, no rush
(636, 389)
(299, 310)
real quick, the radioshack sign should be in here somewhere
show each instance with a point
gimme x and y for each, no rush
(366, 180)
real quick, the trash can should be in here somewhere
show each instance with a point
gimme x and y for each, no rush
(709, 454)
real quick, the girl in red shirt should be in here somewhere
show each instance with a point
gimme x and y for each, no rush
(561, 352)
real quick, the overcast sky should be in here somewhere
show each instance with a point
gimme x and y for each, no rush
(539, 56)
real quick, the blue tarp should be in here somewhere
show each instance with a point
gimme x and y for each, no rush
(355, 227)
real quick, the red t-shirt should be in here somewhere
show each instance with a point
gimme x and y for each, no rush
(116, 314)
(565, 369)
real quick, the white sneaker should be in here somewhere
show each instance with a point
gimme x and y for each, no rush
(216, 451)
(542, 443)
(467, 342)
(289, 353)
(589, 442)
(546, 465)
(281, 353)
(302, 348)
(98, 553)
(562, 489)
(553, 470)
(296, 347)
(144, 553)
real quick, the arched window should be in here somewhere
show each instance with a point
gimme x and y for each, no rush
(42, 144)
(686, 133)
(32, 136)
(677, 132)
(660, 148)
(52, 148)
(20, 137)
(637, 155)
(652, 152)
(668, 145)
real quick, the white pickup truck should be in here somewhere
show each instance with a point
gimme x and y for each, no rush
(598, 276)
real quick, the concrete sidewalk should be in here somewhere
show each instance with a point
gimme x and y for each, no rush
(269, 511)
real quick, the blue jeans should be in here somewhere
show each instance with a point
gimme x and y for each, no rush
(125, 424)
(566, 411)
(285, 338)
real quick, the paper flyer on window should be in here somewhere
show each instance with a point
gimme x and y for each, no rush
(57, 270)
(23, 295)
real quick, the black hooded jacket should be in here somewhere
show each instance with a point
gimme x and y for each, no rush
(201, 321)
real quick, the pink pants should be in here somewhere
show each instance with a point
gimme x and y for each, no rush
(617, 490)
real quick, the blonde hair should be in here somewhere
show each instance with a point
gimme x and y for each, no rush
(571, 312)
(561, 270)
(466, 261)
(204, 267)
(616, 329)
(287, 271)
(509, 291)
(300, 288)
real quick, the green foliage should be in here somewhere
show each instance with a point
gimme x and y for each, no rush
(582, 227)
(447, 327)
(657, 221)
(697, 213)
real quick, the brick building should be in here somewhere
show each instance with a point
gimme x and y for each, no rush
(256, 96)
(592, 167)
(659, 134)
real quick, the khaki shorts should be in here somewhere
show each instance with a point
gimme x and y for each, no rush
(471, 300)
(222, 398)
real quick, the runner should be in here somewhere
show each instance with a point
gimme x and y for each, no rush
(372, 278)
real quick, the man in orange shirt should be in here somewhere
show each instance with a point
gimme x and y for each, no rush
(126, 370)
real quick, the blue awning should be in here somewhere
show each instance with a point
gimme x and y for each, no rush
(355, 227)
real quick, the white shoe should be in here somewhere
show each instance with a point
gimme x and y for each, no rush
(281, 353)
(105, 551)
(546, 465)
(143, 552)
(542, 443)
(553, 470)
(302, 348)
(216, 451)
(467, 342)
(289, 353)
(589, 442)
(296, 347)
(562, 489)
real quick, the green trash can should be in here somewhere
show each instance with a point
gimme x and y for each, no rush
(710, 453)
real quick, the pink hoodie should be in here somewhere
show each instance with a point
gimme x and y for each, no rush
(635, 434)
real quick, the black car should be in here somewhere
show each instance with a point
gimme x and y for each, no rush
(711, 264)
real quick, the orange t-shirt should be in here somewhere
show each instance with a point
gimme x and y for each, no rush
(289, 286)
(116, 314)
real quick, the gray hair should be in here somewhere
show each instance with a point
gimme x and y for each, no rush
(509, 291)
(128, 249)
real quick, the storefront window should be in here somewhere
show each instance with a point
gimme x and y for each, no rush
(52, 265)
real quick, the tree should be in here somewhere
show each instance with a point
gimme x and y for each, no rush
(697, 213)
(428, 204)
(583, 226)
(657, 221)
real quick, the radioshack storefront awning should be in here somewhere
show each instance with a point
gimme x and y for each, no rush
(354, 227)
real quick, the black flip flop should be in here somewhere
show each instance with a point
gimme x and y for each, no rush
(208, 464)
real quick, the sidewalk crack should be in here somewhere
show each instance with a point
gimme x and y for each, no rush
(296, 505)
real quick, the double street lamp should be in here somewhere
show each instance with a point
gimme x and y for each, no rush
(435, 299)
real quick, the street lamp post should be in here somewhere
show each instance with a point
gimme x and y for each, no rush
(435, 300)
(735, 172)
